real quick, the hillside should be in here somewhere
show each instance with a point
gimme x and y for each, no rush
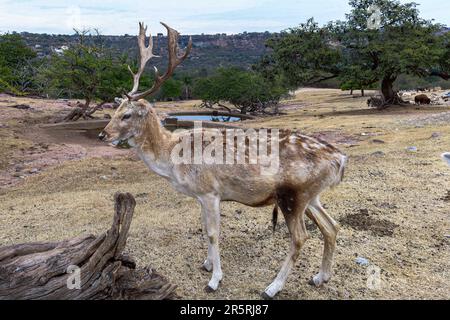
(209, 51)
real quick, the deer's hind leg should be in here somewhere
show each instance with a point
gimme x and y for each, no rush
(293, 206)
(329, 229)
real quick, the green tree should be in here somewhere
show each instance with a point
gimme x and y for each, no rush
(15, 64)
(359, 54)
(305, 55)
(188, 82)
(247, 91)
(87, 70)
(171, 89)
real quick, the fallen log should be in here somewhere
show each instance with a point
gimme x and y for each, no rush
(86, 267)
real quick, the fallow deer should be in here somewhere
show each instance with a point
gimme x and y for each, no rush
(306, 167)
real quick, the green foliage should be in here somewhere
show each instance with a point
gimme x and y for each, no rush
(359, 56)
(171, 89)
(187, 83)
(15, 63)
(246, 90)
(304, 54)
(404, 43)
(406, 82)
(14, 51)
(89, 71)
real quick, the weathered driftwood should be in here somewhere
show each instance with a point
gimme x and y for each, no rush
(40, 270)
(82, 111)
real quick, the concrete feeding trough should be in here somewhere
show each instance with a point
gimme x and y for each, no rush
(209, 119)
(175, 120)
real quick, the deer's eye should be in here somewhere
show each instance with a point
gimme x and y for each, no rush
(126, 116)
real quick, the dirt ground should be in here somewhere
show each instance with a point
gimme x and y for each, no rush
(393, 206)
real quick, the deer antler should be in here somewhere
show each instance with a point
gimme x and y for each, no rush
(146, 54)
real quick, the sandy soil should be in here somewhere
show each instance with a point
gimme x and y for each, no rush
(393, 207)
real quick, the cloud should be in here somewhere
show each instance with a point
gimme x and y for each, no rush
(189, 17)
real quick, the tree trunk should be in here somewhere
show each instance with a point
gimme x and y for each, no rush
(351, 92)
(362, 93)
(243, 109)
(387, 89)
(52, 271)
(83, 111)
(87, 103)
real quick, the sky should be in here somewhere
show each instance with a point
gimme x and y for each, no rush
(188, 16)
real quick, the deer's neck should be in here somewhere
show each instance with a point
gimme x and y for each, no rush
(153, 139)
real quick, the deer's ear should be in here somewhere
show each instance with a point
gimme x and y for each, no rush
(142, 112)
(142, 107)
(144, 103)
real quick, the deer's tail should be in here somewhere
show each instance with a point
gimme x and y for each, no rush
(341, 163)
(274, 217)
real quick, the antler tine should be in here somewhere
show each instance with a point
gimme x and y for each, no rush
(173, 36)
(174, 61)
(145, 53)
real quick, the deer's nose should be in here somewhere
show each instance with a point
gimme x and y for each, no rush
(102, 135)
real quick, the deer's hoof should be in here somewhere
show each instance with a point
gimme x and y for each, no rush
(318, 280)
(207, 266)
(265, 296)
(208, 289)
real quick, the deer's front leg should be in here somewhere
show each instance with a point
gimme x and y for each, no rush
(208, 263)
(211, 219)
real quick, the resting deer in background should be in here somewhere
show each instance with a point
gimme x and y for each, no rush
(306, 167)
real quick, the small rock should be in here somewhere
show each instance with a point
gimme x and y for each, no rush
(106, 116)
(364, 211)
(342, 293)
(362, 261)
(378, 141)
(104, 177)
(378, 154)
(411, 149)
(436, 135)
(21, 106)
(142, 195)
(34, 170)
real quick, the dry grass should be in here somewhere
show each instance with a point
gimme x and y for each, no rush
(392, 209)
